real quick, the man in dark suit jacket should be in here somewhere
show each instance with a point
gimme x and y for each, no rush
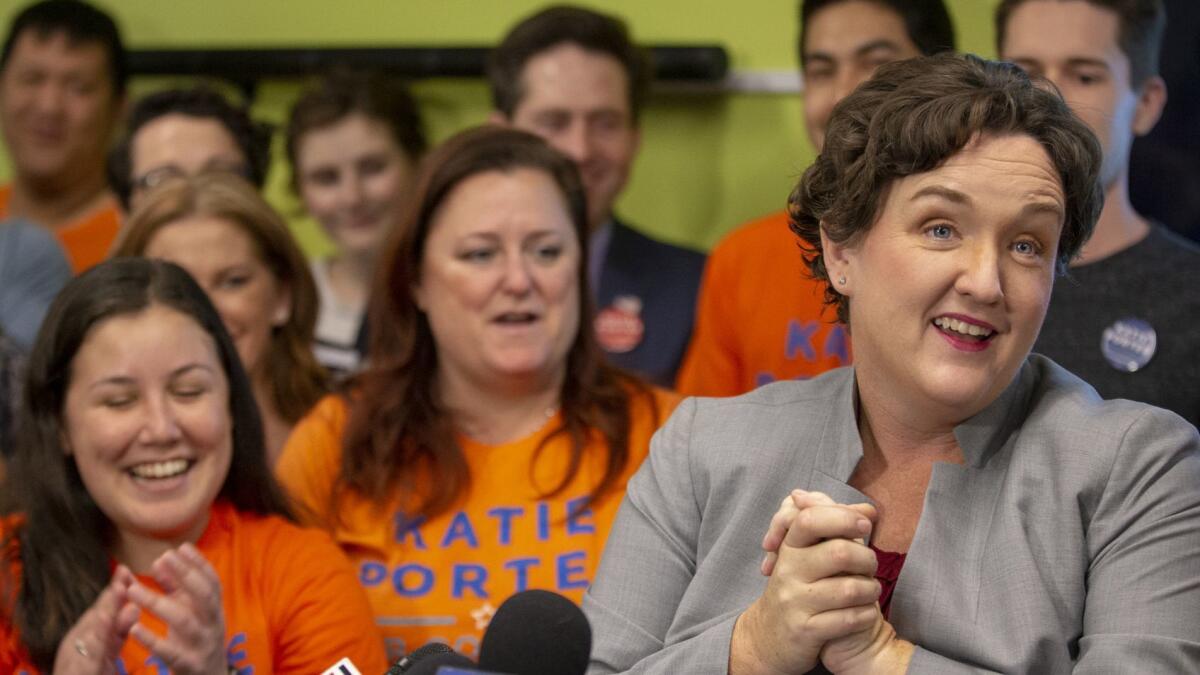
(573, 77)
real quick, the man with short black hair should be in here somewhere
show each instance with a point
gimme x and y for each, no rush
(1124, 319)
(62, 89)
(573, 77)
(178, 132)
(760, 317)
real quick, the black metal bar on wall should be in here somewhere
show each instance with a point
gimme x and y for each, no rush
(696, 63)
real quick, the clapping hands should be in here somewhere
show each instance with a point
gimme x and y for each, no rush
(190, 605)
(92, 645)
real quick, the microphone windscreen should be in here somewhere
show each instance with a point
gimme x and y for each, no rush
(537, 633)
(426, 660)
(433, 664)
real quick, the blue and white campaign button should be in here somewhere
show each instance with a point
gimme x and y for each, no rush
(1129, 344)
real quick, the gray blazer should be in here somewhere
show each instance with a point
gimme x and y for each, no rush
(1068, 542)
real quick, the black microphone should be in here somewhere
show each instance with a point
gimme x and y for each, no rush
(428, 659)
(537, 633)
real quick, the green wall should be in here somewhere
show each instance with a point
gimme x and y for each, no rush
(709, 160)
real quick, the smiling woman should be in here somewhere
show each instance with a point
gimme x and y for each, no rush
(951, 503)
(952, 282)
(148, 493)
(146, 527)
(353, 141)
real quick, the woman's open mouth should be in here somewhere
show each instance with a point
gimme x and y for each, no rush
(964, 335)
(516, 318)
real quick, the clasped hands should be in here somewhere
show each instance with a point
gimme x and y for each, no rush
(821, 601)
(190, 606)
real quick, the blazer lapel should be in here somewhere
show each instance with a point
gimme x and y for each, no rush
(840, 447)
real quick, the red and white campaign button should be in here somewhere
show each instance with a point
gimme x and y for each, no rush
(619, 327)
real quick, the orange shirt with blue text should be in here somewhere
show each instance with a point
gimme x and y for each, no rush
(760, 317)
(442, 579)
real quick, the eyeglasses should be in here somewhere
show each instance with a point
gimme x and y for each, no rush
(155, 177)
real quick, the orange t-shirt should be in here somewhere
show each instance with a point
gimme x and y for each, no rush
(442, 579)
(292, 604)
(85, 241)
(760, 317)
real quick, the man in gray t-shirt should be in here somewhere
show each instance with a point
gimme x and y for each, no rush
(1127, 317)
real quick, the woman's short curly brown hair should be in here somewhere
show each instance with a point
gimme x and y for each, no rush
(912, 116)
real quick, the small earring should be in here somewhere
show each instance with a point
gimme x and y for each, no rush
(842, 280)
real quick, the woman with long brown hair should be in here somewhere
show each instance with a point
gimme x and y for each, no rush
(485, 448)
(143, 529)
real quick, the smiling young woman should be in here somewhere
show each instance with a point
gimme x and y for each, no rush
(354, 141)
(144, 528)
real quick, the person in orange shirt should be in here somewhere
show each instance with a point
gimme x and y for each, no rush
(760, 317)
(62, 90)
(143, 530)
(486, 447)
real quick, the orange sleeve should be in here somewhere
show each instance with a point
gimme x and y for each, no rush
(311, 459)
(13, 656)
(88, 241)
(667, 402)
(711, 366)
(645, 421)
(322, 605)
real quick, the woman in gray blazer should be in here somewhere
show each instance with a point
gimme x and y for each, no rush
(953, 504)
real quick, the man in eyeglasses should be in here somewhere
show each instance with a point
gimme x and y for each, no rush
(180, 132)
(62, 90)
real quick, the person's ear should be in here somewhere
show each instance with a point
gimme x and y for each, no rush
(1152, 98)
(839, 263)
(499, 119)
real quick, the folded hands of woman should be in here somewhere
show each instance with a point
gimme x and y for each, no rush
(820, 603)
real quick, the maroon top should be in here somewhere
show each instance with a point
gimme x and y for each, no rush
(887, 573)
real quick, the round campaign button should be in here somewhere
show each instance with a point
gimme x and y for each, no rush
(619, 327)
(1129, 344)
